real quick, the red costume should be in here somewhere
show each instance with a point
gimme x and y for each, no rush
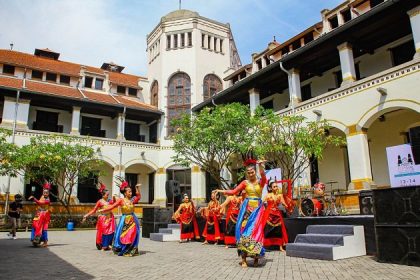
(41, 220)
(185, 215)
(212, 228)
(275, 233)
(231, 219)
(105, 226)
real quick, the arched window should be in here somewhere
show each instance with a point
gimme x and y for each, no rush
(211, 85)
(179, 98)
(154, 94)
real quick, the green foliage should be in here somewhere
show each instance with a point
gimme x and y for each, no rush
(59, 159)
(7, 154)
(290, 141)
(211, 137)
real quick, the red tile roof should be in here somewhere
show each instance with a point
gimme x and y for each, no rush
(74, 93)
(63, 67)
(13, 83)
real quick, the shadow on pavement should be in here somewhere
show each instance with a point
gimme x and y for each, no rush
(20, 261)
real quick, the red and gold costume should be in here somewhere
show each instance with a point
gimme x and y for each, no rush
(41, 221)
(231, 219)
(212, 228)
(185, 215)
(275, 233)
(105, 227)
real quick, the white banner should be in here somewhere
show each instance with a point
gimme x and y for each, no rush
(402, 170)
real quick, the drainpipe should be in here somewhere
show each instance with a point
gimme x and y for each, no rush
(291, 89)
(6, 205)
(122, 136)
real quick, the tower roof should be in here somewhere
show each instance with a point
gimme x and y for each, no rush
(179, 14)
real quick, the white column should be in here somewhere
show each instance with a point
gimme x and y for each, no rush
(254, 99)
(160, 191)
(348, 70)
(75, 121)
(117, 173)
(414, 15)
(22, 116)
(198, 185)
(359, 159)
(120, 126)
(294, 86)
(263, 62)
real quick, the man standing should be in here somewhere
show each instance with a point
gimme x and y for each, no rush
(14, 215)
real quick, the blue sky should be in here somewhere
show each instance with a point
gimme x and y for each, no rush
(91, 32)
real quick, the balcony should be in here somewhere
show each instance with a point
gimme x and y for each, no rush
(47, 127)
(94, 133)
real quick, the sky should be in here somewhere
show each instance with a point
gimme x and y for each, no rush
(91, 32)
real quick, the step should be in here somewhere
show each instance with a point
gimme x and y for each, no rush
(162, 237)
(310, 251)
(176, 226)
(170, 231)
(330, 229)
(313, 238)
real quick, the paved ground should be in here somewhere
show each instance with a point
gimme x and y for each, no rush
(72, 255)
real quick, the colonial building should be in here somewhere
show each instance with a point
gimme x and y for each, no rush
(358, 68)
(129, 116)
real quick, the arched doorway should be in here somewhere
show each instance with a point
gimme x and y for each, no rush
(143, 174)
(333, 167)
(87, 187)
(388, 128)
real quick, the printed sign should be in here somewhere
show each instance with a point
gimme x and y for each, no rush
(402, 170)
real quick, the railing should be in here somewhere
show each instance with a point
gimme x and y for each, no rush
(99, 141)
(47, 127)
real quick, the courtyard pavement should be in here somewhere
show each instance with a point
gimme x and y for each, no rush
(72, 255)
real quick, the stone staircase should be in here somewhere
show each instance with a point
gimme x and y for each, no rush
(329, 242)
(171, 233)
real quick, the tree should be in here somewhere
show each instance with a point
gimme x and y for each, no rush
(7, 154)
(211, 137)
(292, 142)
(61, 160)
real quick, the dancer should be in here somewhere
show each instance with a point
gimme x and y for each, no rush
(275, 233)
(128, 230)
(105, 227)
(185, 215)
(212, 214)
(249, 232)
(41, 220)
(233, 204)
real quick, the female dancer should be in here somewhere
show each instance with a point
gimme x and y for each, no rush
(233, 204)
(41, 220)
(105, 227)
(274, 231)
(128, 230)
(185, 215)
(212, 214)
(249, 232)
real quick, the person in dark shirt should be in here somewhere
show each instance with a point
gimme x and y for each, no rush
(14, 215)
